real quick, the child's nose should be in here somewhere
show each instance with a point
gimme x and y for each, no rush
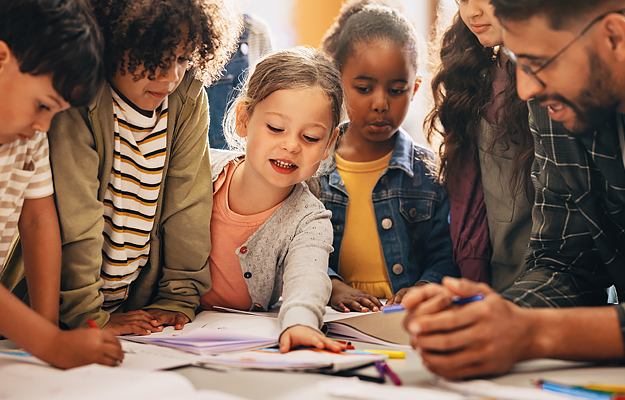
(173, 74)
(380, 103)
(41, 124)
(290, 144)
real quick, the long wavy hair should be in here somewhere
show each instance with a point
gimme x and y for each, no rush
(462, 93)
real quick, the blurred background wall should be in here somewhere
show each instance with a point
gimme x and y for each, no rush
(304, 22)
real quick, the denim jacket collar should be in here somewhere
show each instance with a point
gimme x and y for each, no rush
(400, 159)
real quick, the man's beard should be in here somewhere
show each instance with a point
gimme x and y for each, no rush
(596, 103)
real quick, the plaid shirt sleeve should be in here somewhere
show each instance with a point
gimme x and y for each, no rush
(564, 266)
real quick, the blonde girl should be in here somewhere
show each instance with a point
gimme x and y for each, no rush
(270, 235)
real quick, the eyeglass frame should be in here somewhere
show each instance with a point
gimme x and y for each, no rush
(528, 70)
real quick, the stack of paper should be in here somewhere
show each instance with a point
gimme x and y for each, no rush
(302, 360)
(215, 332)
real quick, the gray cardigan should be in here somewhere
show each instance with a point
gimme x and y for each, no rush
(288, 255)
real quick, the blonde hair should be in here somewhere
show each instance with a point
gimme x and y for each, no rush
(297, 68)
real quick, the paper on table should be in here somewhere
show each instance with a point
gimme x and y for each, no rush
(302, 360)
(481, 387)
(214, 333)
(377, 328)
(152, 358)
(353, 388)
(16, 383)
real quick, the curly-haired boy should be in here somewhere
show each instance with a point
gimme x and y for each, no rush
(50, 58)
(134, 192)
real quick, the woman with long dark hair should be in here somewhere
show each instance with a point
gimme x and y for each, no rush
(486, 148)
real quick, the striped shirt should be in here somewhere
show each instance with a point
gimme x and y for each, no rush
(24, 174)
(131, 197)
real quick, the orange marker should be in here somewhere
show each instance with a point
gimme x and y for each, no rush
(92, 324)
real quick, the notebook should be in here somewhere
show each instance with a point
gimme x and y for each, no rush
(215, 332)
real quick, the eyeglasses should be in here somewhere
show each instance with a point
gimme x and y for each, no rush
(526, 68)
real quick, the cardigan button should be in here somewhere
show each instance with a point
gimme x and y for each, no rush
(243, 250)
(247, 275)
(387, 223)
(398, 269)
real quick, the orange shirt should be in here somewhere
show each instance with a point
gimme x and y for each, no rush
(229, 231)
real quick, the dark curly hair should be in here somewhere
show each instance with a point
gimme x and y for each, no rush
(462, 92)
(56, 37)
(362, 21)
(558, 12)
(141, 35)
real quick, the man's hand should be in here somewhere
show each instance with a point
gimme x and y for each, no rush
(481, 338)
(345, 298)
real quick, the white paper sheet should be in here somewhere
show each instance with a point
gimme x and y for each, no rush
(96, 382)
(353, 388)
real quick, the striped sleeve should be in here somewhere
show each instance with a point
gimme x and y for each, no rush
(40, 184)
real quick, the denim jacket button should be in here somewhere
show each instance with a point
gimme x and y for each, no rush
(387, 223)
(398, 269)
(384, 180)
(413, 212)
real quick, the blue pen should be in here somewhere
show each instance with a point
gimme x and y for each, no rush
(458, 301)
(573, 391)
(466, 300)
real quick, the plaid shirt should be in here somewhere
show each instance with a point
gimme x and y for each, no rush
(577, 245)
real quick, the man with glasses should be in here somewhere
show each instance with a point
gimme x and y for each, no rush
(570, 59)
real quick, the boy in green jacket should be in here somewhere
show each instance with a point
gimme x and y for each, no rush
(50, 58)
(133, 188)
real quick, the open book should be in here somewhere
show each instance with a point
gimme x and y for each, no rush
(215, 332)
(376, 328)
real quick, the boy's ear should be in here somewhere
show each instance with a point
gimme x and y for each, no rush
(417, 83)
(335, 135)
(5, 54)
(242, 120)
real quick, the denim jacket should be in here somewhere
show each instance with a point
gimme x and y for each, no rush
(411, 211)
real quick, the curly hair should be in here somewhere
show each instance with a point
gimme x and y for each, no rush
(362, 21)
(141, 36)
(56, 37)
(297, 68)
(462, 93)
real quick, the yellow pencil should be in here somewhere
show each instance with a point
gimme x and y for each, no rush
(605, 387)
(389, 353)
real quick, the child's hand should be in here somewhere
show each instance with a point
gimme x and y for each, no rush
(139, 322)
(68, 349)
(397, 297)
(345, 298)
(164, 317)
(300, 335)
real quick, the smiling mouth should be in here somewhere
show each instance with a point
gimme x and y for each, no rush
(555, 107)
(283, 164)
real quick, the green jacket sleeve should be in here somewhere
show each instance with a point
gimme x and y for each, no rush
(183, 237)
(74, 162)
